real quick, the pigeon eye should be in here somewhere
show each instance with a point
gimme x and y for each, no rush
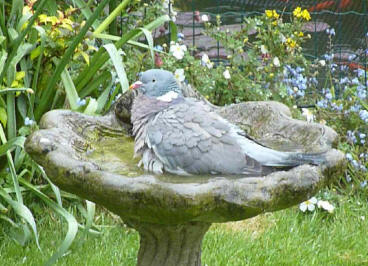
(153, 80)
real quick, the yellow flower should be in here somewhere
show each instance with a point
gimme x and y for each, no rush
(272, 14)
(54, 20)
(274, 22)
(301, 34)
(269, 13)
(245, 40)
(42, 18)
(305, 14)
(291, 43)
(297, 12)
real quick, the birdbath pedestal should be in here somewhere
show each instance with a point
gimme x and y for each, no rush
(91, 156)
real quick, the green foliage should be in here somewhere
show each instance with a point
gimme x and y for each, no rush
(52, 57)
(287, 237)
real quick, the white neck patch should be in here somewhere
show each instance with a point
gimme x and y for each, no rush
(168, 97)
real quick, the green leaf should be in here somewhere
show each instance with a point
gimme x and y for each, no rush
(86, 11)
(15, 45)
(51, 7)
(11, 144)
(23, 50)
(22, 211)
(102, 100)
(16, 11)
(3, 116)
(3, 56)
(91, 107)
(54, 188)
(72, 223)
(149, 39)
(95, 83)
(46, 97)
(22, 105)
(117, 61)
(116, 12)
(100, 58)
(174, 31)
(25, 18)
(71, 92)
(12, 168)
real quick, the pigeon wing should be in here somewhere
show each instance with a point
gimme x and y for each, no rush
(189, 138)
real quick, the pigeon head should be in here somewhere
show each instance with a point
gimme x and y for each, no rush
(156, 83)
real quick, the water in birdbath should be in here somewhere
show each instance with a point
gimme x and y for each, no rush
(114, 154)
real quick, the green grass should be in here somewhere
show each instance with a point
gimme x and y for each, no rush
(287, 237)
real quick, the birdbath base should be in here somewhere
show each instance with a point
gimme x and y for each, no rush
(167, 245)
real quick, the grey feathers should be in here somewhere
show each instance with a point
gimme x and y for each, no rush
(184, 136)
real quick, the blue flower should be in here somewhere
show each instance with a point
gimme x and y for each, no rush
(364, 115)
(328, 57)
(351, 137)
(180, 35)
(328, 96)
(349, 157)
(355, 164)
(360, 72)
(28, 121)
(344, 80)
(351, 57)
(355, 81)
(363, 184)
(81, 102)
(159, 47)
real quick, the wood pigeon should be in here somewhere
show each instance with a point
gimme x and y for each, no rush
(185, 136)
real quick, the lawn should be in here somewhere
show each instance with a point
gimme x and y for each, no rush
(287, 237)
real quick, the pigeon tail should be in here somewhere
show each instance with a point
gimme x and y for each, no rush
(270, 157)
(310, 158)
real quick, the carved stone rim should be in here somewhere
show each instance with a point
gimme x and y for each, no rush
(148, 198)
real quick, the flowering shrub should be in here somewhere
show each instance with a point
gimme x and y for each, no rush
(265, 62)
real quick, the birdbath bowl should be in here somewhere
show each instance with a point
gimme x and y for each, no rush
(91, 156)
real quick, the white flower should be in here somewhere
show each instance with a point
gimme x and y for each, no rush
(206, 61)
(178, 50)
(308, 115)
(322, 204)
(173, 15)
(308, 205)
(165, 3)
(28, 121)
(283, 38)
(226, 74)
(276, 61)
(264, 49)
(205, 18)
(81, 102)
(322, 62)
(179, 75)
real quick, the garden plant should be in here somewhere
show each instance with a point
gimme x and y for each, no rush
(81, 55)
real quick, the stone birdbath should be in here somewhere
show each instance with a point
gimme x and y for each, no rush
(91, 156)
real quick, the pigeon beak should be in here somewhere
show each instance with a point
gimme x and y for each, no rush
(136, 85)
